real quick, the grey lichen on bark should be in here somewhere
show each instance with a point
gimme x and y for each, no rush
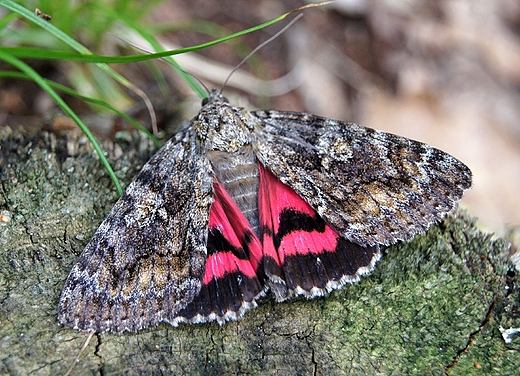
(431, 306)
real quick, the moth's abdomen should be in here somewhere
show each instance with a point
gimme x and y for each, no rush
(239, 174)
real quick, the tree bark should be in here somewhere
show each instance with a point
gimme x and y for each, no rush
(431, 306)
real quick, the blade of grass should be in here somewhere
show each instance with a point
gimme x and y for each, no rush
(82, 50)
(33, 75)
(67, 90)
(212, 29)
(23, 52)
(157, 47)
(6, 20)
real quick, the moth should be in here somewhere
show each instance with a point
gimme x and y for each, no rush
(241, 203)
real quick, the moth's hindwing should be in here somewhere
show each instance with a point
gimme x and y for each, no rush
(146, 261)
(233, 278)
(302, 254)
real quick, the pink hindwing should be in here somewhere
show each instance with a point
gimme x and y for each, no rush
(302, 254)
(298, 254)
(231, 280)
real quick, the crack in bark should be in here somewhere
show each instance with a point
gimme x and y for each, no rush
(4, 194)
(473, 336)
(313, 351)
(213, 349)
(97, 352)
(43, 366)
(26, 227)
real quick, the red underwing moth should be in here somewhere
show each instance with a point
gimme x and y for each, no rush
(241, 203)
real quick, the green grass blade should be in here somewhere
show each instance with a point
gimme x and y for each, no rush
(67, 90)
(6, 20)
(23, 52)
(157, 46)
(26, 13)
(83, 51)
(34, 76)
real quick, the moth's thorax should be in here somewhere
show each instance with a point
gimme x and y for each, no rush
(220, 126)
(225, 134)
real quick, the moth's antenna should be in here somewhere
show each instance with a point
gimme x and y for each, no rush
(258, 47)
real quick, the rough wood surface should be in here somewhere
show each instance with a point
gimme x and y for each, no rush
(432, 306)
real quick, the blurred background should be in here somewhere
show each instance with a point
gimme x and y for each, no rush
(444, 72)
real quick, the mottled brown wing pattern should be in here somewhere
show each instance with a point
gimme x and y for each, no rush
(146, 261)
(372, 187)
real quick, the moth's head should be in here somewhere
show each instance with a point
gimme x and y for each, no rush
(220, 126)
(214, 96)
